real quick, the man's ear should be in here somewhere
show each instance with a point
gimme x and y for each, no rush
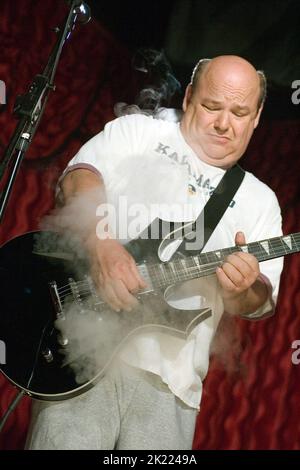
(187, 97)
(257, 117)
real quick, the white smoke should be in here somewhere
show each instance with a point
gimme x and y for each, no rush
(160, 85)
(92, 331)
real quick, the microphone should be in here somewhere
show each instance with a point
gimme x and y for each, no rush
(82, 10)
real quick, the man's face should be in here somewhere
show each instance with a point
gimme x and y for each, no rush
(221, 115)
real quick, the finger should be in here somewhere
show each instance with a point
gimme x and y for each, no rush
(140, 282)
(224, 280)
(233, 274)
(108, 295)
(244, 262)
(126, 299)
(130, 279)
(239, 263)
(127, 271)
(240, 238)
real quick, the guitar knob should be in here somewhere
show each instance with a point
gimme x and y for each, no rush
(48, 356)
(62, 340)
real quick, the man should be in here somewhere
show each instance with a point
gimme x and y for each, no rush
(152, 402)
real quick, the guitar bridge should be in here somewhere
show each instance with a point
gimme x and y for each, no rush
(76, 294)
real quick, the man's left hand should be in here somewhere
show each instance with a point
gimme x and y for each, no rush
(238, 273)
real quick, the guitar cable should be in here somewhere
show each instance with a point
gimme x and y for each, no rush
(21, 393)
(11, 408)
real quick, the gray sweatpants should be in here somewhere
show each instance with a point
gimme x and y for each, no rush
(131, 409)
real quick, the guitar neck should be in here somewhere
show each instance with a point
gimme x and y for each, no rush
(205, 264)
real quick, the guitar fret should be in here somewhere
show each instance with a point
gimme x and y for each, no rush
(162, 272)
(173, 270)
(183, 265)
(294, 241)
(256, 249)
(265, 246)
(204, 264)
(283, 247)
(288, 241)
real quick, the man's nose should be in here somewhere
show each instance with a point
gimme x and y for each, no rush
(222, 122)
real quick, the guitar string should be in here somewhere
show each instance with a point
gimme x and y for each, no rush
(178, 271)
(67, 287)
(62, 289)
(276, 242)
(203, 269)
(156, 280)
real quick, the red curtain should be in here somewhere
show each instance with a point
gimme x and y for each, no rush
(259, 407)
(254, 409)
(94, 73)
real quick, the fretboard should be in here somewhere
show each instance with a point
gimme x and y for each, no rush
(205, 264)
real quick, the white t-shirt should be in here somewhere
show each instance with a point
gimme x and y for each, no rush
(147, 161)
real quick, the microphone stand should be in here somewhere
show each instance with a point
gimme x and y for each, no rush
(29, 107)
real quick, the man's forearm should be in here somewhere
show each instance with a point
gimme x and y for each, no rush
(247, 301)
(82, 191)
(80, 181)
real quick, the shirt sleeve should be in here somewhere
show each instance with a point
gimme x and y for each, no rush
(120, 139)
(269, 225)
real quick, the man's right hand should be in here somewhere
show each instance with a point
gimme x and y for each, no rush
(113, 269)
(115, 273)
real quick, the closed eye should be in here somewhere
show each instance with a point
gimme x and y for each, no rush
(210, 108)
(239, 114)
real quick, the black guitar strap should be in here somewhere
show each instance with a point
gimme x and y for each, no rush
(215, 207)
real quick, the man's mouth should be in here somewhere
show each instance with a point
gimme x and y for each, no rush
(220, 138)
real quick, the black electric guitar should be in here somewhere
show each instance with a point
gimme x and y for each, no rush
(45, 291)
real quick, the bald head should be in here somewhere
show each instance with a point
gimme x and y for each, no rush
(233, 71)
(222, 107)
